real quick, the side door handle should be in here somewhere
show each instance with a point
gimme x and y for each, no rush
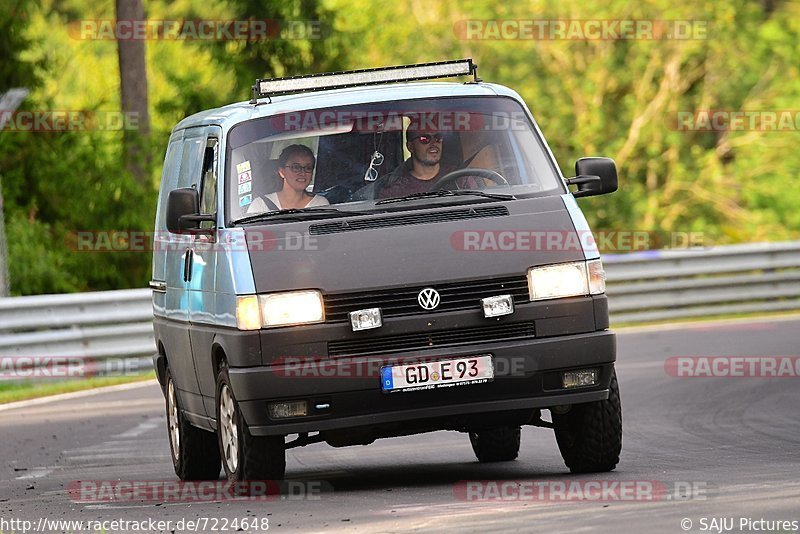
(187, 265)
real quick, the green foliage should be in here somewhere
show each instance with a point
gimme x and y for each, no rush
(617, 98)
(18, 391)
(13, 72)
(620, 98)
(57, 184)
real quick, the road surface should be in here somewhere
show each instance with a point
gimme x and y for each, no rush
(700, 453)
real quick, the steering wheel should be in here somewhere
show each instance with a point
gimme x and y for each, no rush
(489, 174)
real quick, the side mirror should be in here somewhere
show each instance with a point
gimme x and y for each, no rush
(183, 211)
(594, 176)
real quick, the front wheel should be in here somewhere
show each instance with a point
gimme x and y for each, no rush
(496, 444)
(194, 451)
(589, 436)
(245, 457)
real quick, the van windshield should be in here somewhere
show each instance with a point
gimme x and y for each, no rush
(404, 154)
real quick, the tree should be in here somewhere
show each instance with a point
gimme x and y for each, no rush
(133, 93)
(13, 73)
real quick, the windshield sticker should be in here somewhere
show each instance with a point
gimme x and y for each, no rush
(245, 177)
(245, 200)
(245, 188)
(243, 167)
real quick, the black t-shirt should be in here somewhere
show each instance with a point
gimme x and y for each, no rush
(401, 182)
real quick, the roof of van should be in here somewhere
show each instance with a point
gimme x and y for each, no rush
(232, 114)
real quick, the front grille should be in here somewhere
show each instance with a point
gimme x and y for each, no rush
(428, 340)
(406, 219)
(403, 301)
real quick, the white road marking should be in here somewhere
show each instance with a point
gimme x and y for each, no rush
(121, 507)
(124, 447)
(36, 472)
(151, 424)
(109, 452)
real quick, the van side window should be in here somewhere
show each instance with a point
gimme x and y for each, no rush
(191, 160)
(208, 186)
(169, 180)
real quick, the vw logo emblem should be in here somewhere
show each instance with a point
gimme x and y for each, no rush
(428, 298)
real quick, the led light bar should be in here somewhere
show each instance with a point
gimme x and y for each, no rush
(355, 78)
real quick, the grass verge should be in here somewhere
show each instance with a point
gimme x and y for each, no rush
(17, 391)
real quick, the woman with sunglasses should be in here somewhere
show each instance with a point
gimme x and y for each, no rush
(295, 169)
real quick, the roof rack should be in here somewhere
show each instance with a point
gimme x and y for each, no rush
(265, 88)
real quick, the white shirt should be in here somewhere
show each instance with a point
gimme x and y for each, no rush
(259, 205)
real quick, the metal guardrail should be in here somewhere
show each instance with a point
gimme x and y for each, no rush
(675, 284)
(642, 286)
(104, 332)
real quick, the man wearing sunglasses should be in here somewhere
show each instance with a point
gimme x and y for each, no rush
(421, 170)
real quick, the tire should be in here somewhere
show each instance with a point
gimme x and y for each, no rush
(244, 457)
(496, 444)
(194, 451)
(589, 436)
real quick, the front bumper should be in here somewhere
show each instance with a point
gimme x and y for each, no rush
(527, 376)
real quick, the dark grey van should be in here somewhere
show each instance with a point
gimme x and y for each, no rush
(359, 255)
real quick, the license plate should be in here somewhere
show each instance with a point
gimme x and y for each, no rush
(438, 374)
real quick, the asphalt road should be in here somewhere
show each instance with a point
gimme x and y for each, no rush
(712, 447)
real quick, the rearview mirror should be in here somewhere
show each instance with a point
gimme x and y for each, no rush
(594, 176)
(183, 211)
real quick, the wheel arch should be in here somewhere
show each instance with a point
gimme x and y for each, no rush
(218, 355)
(160, 365)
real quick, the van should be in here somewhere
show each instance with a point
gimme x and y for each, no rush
(366, 254)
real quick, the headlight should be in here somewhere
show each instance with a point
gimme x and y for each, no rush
(279, 309)
(295, 307)
(557, 281)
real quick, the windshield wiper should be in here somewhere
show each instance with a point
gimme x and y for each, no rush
(446, 193)
(297, 214)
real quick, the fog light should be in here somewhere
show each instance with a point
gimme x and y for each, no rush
(366, 319)
(576, 379)
(497, 306)
(282, 410)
